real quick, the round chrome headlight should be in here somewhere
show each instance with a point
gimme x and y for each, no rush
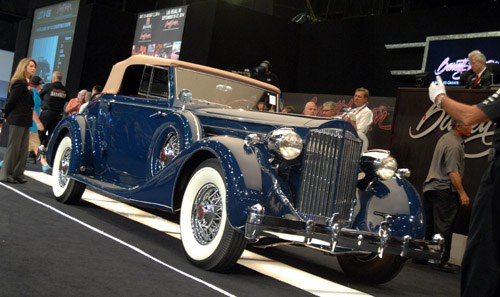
(286, 142)
(379, 163)
(386, 168)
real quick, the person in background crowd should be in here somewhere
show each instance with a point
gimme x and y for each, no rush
(19, 116)
(288, 109)
(96, 93)
(481, 261)
(54, 96)
(443, 189)
(479, 76)
(74, 104)
(329, 109)
(263, 73)
(261, 106)
(361, 117)
(34, 142)
(310, 108)
(88, 98)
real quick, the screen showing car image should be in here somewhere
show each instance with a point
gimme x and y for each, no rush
(6, 60)
(447, 55)
(159, 33)
(51, 38)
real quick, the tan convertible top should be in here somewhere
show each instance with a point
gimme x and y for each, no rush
(115, 77)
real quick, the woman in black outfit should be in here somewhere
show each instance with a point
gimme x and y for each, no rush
(19, 115)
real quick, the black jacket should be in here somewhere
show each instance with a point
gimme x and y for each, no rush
(484, 81)
(54, 96)
(19, 106)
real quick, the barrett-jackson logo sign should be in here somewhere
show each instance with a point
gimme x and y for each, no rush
(436, 118)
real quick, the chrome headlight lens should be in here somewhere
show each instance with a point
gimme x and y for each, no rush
(285, 142)
(379, 163)
(386, 167)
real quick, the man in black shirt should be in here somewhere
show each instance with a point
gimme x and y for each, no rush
(481, 261)
(54, 96)
(263, 73)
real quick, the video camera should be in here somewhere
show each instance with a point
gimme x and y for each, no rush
(260, 70)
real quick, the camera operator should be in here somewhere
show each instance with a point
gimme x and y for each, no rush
(263, 73)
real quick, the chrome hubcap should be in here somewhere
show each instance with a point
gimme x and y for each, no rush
(64, 167)
(206, 216)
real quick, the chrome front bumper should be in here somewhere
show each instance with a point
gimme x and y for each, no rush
(335, 239)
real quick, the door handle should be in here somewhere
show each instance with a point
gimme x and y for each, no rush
(158, 114)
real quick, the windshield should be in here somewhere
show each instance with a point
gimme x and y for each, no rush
(219, 92)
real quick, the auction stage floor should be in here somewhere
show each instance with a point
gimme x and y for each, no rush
(101, 247)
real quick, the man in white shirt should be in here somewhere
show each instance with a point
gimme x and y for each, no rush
(361, 117)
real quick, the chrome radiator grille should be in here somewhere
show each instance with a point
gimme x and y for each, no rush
(329, 174)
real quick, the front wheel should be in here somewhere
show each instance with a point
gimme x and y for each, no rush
(370, 268)
(65, 189)
(208, 239)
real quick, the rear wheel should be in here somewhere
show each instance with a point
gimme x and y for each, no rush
(208, 239)
(370, 268)
(65, 189)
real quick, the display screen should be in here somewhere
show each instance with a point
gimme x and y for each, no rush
(6, 60)
(51, 38)
(159, 33)
(447, 55)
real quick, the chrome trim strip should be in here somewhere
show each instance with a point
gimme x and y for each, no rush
(406, 72)
(405, 45)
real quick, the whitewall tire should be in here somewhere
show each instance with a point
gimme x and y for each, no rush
(208, 239)
(65, 189)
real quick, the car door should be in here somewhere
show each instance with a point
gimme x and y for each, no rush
(128, 126)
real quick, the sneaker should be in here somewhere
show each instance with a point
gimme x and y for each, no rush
(434, 261)
(45, 168)
(447, 267)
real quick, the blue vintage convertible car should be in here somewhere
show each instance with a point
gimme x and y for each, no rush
(186, 138)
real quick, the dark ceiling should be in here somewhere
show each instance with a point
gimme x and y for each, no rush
(296, 10)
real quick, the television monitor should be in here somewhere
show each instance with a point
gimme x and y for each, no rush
(6, 61)
(447, 55)
(159, 33)
(51, 38)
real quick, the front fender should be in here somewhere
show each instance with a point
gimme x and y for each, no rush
(74, 126)
(395, 197)
(243, 175)
(249, 177)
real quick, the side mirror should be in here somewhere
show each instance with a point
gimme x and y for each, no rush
(185, 96)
